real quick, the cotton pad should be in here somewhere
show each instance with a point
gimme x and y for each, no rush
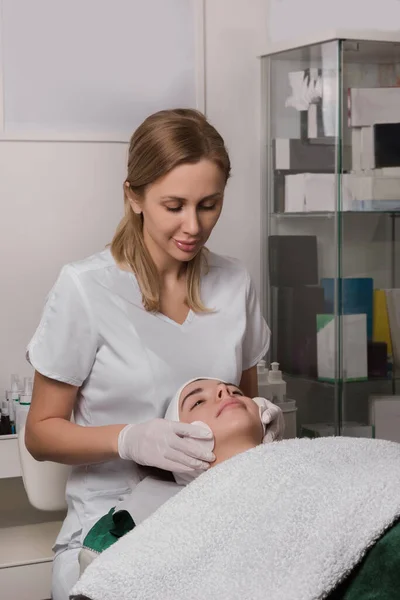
(173, 415)
(185, 478)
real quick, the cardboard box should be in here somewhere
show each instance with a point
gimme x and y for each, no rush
(368, 106)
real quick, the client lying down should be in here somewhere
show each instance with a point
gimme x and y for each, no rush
(295, 519)
(237, 423)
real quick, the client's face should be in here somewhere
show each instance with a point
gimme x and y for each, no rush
(223, 407)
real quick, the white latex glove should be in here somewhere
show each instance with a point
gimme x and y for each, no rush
(168, 445)
(272, 419)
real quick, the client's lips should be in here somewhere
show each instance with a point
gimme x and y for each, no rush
(226, 403)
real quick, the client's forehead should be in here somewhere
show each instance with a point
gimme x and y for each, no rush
(200, 385)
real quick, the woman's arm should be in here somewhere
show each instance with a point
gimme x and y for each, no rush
(51, 436)
(249, 382)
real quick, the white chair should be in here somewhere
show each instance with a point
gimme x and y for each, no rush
(44, 482)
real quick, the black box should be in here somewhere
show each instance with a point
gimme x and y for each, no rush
(387, 145)
(377, 359)
(293, 260)
(295, 328)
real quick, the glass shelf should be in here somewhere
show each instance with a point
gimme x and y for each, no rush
(369, 381)
(332, 237)
(331, 214)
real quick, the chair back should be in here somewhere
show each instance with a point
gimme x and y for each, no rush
(45, 481)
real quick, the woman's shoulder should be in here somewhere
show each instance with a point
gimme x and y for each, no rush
(92, 270)
(227, 264)
(94, 262)
(228, 269)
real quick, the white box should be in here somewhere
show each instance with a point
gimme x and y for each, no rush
(389, 171)
(367, 148)
(354, 347)
(282, 153)
(362, 149)
(295, 193)
(374, 187)
(356, 149)
(384, 415)
(316, 192)
(369, 106)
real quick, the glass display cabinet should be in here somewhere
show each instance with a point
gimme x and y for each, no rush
(331, 203)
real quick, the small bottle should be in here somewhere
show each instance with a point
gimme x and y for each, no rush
(289, 410)
(11, 410)
(14, 396)
(16, 383)
(277, 385)
(24, 404)
(5, 423)
(262, 378)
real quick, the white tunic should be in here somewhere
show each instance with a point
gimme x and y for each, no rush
(95, 334)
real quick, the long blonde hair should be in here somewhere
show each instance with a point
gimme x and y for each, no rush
(163, 141)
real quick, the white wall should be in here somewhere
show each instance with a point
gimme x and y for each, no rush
(235, 32)
(98, 66)
(308, 17)
(59, 202)
(60, 175)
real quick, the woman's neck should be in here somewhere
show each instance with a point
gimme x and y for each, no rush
(231, 448)
(169, 269)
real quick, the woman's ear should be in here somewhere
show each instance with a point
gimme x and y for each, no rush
(133, 199)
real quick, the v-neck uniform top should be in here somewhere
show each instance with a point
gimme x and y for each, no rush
(128, 363)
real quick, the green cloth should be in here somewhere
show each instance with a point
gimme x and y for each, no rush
(377, 577)
(108, 530)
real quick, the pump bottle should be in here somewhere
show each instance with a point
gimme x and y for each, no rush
(24, 404)
(5, 423)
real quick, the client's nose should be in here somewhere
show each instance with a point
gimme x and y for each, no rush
(222, 391)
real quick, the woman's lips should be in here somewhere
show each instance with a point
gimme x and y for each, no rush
(186, 246)
(227, 404)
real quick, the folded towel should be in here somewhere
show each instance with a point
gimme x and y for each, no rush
(283, 521)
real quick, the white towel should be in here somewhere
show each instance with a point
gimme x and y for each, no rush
(283, 521)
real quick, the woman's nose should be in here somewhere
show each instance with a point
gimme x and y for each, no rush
(191, 225)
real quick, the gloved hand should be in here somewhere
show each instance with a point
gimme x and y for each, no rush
(168, 445)
(272, 419)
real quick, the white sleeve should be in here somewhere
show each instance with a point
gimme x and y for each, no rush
(65, 343)
(257, 336)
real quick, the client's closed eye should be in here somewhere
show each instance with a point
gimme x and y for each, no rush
(197, 403)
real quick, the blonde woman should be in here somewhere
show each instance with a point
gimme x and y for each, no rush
(124, 328)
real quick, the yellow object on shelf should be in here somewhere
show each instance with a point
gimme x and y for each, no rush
(380, 322)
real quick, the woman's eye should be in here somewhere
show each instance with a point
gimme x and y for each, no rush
(174, 208)
(197, 404)
(207, 206)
